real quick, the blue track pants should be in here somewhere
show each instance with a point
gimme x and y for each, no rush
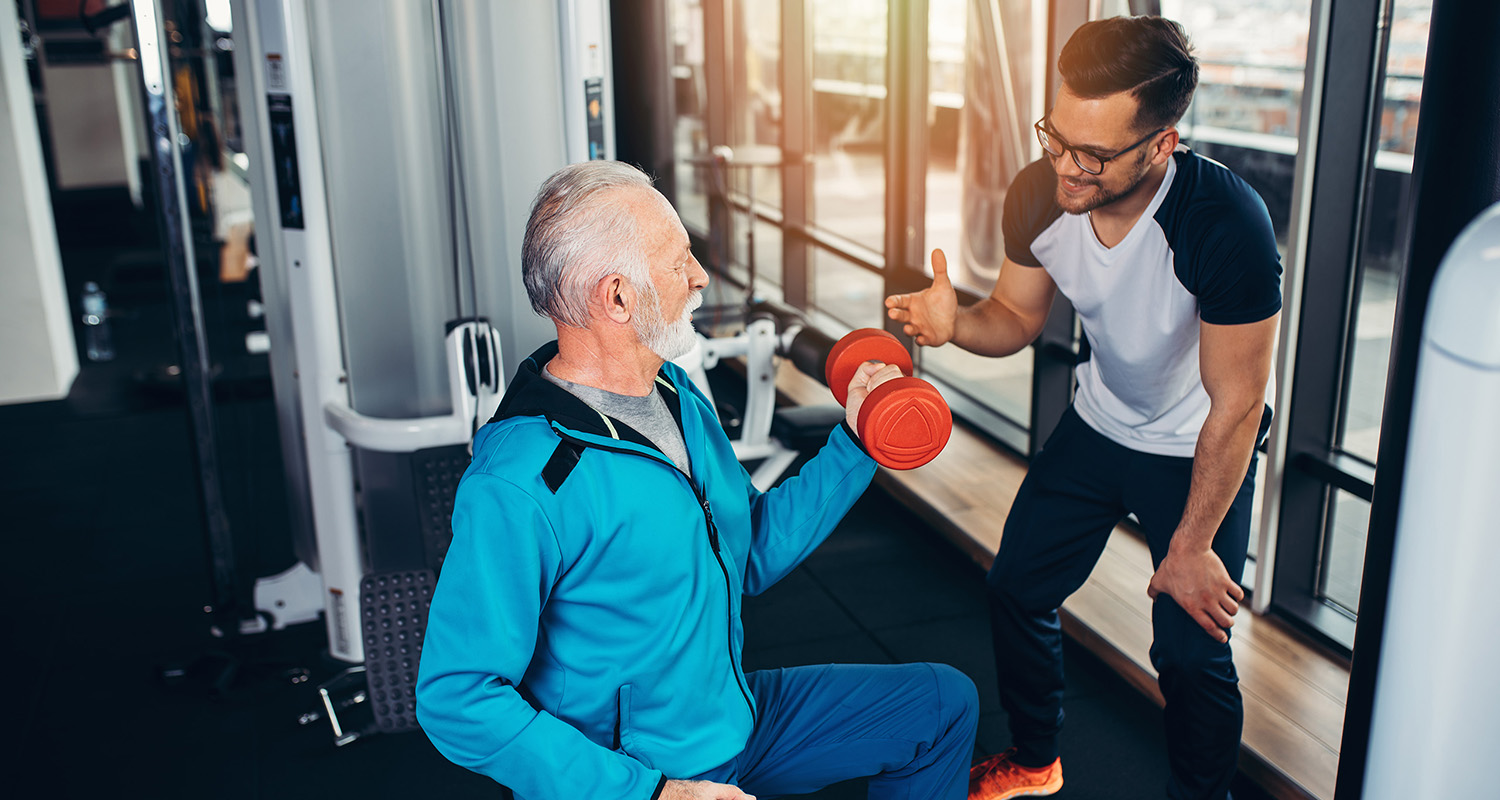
(908, 727)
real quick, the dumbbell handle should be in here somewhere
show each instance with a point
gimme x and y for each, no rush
(808, 351)
(803, 345)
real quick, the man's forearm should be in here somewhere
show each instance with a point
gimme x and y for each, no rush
(988, 328)
(1222, 457)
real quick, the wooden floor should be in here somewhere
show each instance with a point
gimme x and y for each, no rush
(1294, 691)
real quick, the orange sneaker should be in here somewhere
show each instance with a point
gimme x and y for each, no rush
(999, 778)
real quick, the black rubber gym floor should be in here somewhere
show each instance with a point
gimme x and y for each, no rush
(108, 575)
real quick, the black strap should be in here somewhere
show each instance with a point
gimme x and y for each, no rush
(561, 464)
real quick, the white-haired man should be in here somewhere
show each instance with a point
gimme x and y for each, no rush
(585, 639)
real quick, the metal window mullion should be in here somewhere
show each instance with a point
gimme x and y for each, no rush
(1294, 268)
(796, 146)
(850, 251)
(1053, 355)
(906, 146)
(716, 74)
(1335, 216)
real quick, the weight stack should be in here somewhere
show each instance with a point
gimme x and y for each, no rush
(435, 475)
(393, 615)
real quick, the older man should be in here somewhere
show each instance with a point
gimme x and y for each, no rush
(585, 637)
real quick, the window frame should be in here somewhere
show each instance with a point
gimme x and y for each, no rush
(1344, 79)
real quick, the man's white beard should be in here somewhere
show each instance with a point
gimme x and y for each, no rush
(668, 341)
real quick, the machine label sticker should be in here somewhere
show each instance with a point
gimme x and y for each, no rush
(284, 153)
(275, 72)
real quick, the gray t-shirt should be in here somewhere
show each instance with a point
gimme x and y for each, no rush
(648, 415)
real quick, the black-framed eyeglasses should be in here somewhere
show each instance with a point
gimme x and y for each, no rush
(1087, 160)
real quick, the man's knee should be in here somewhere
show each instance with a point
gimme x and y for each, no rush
(1184, 651)
(1013, 592)
(1010, 582)
(957, 696)
(1032, 584)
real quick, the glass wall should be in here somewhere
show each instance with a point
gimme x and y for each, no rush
(839, 101)
(765, 240)
(1383, 253)
(1378, 263)
(1344, 558)
(755, 135)
(849, 119)
(690, 99)
(847, 291)
(980, 97)
(1246, 112)
(946, 72)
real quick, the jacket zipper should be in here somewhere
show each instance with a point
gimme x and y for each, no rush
(713, 541)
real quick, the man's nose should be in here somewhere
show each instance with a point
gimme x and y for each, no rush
(697, 275)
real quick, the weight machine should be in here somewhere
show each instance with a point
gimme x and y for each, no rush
(765, 340)
(391, 190)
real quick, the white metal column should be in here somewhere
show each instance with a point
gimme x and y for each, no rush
(1435, 724)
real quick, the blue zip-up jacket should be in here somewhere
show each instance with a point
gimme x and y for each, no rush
(585, 639)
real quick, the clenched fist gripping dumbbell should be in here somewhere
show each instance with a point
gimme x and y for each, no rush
(904, 423)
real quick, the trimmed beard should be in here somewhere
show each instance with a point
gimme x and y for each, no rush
(1102, 197)
(666, 340)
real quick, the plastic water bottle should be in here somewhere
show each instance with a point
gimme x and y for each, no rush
(97, 342)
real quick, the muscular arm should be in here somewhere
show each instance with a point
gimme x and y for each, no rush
(999, 325)
(1011, 317)
(1235, 362)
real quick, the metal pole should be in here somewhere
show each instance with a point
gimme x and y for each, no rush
(187, 308)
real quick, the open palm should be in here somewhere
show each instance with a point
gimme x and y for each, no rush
(928, 316)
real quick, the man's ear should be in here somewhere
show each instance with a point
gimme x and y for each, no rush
(615, 298)
(1166, 146)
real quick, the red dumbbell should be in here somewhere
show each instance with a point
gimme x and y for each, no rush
(905, 422)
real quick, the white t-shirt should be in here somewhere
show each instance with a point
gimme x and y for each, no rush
(1202, 250)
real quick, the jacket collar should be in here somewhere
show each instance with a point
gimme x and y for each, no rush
(531, 395)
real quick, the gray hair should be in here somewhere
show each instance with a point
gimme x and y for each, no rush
(576, 236)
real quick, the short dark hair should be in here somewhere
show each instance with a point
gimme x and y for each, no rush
(1149, 57)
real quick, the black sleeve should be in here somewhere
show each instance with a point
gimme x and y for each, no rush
(1239, 274)
(1225, 251)
(1030, 206)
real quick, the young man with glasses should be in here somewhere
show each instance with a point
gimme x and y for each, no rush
(1171, 263)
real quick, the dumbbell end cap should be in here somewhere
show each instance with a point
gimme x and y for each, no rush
(905, 423)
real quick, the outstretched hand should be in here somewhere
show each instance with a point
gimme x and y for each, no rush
(928, 316)
(1198, 582)
(702, 790)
